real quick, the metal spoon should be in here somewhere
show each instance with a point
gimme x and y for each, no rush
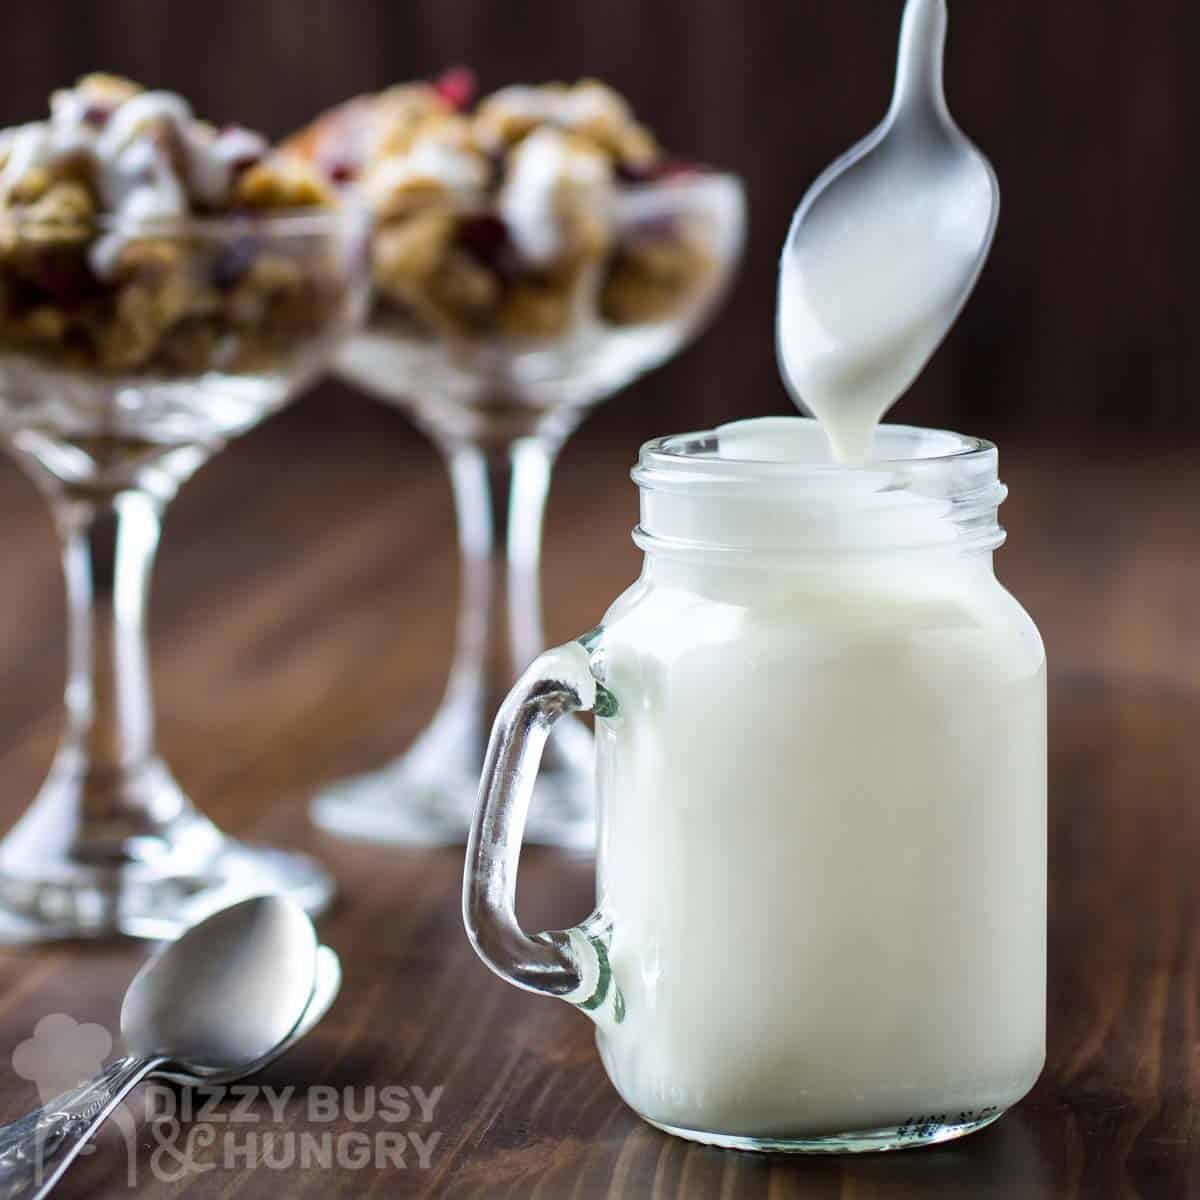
(329, 983)
(223, 998)
(884, 249)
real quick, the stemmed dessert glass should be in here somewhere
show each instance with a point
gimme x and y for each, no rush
(499, 409)
(110, 400)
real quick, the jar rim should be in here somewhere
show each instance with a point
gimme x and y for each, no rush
(699, 446)
(771, 483)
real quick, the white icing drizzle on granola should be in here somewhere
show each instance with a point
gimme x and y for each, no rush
(461, 173)
(152, 159)
(544, 171)
(570, 108)
(28, 146)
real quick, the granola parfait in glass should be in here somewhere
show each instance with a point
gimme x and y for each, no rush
(164, 286)
(533, 253)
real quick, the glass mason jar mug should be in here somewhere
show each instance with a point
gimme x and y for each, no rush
(821, 764)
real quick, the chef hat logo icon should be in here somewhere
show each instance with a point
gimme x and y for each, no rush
(62, 1054)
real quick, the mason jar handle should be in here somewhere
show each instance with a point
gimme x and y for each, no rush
(571, 964)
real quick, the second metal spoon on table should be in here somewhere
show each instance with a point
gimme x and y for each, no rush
(82, 1101)
(220, 1001)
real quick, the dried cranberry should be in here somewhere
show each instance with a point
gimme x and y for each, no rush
(659, 229)
(234, 260)
(677, 168)
(65, 278)
(244, 163)
(456, 86)
(96, 116)
(658, 172)
(341, 171)
(629, 173)
(486, 239)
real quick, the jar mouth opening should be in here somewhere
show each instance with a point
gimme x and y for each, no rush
(771, 484)
(756, 448)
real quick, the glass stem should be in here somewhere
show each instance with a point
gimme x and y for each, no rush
(109, 541)
(428, 796)
(500, 499)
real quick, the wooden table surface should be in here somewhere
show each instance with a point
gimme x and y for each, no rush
(301, 629)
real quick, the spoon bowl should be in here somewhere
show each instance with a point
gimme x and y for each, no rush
(329, 982)
(228, 991)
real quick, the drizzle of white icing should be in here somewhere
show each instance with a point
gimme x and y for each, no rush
(543, 170)
(151, 159)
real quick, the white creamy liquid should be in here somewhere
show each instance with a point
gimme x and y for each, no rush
(822, 827)
(866, 296)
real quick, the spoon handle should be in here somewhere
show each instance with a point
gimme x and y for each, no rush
(919, 64)
(36, 1149)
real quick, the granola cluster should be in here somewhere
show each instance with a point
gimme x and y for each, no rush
(507, 216)
(99, 270)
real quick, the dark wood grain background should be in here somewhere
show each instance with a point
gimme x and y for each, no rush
(1087, 108)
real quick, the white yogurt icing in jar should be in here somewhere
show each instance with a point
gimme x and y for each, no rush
(822, 799)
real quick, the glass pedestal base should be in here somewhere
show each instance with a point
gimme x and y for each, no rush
(862, 1141)
(427, 797)
(75, 902)
(102, 854)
